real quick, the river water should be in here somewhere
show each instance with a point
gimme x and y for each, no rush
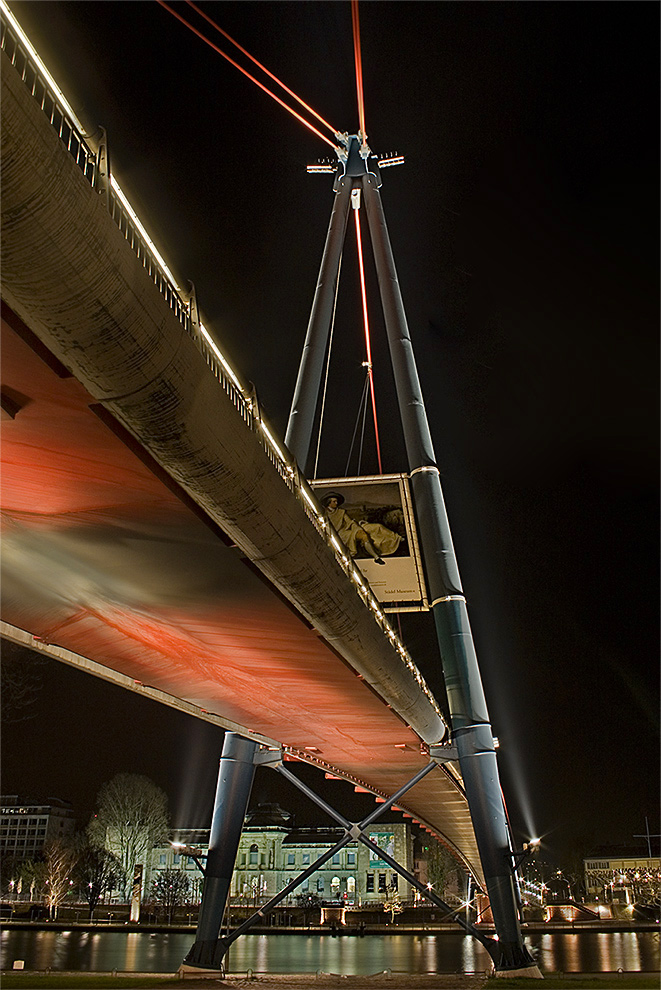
(97, 951)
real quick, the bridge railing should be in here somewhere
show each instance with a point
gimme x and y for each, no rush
(41, 91)
(92, 162)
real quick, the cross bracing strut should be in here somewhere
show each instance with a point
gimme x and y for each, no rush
(209, 949)
(356, 831)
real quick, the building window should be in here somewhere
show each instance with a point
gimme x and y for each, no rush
(394, 881)
(351, 885)
(177, 859)
(306, 859)
(161, 859)
(335, 885)
(351, 859)
(254, 852)
(382, 883)
(336, 859)
(320, 885)
(369, 886)
(291, 859)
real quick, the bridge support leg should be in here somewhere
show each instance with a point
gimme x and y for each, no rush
(306, 393)
(470, 719)
(235, 777)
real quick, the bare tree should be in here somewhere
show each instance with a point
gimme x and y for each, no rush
(442, 867)
(131, 818)
(10, 874)
(393, 905)
(98, 871)
(170, 889)
(59, 862)
(33, 877)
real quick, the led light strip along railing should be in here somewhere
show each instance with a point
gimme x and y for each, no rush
(15, 43)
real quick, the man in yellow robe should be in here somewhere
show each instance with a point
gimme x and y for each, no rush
(374, 538)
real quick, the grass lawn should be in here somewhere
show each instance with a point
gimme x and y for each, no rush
(89, 981)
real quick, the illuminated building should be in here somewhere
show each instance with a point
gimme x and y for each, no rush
(623, 877)
(26, 826)
(272, 852)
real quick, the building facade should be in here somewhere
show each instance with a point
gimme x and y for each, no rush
(272, 852)
(622, 879)
(26, 826)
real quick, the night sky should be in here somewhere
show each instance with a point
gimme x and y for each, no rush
(525, 229)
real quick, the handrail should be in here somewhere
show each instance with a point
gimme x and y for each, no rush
(71, 132)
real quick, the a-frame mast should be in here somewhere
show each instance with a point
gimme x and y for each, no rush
(471, 728)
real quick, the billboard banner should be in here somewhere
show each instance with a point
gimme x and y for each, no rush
(385, 841)
(373, 517)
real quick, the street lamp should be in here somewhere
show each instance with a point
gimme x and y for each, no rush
(518, 856)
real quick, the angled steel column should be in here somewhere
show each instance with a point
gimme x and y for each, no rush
(235, 777)
(472, 732)
(306, 393)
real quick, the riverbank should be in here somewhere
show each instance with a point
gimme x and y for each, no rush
(554, 927)
(338, 930)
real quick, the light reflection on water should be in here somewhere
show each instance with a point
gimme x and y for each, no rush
(585, 951)
(360, 956)
(596, 952)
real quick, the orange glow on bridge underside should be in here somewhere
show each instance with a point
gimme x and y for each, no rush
(129, 577)
(105, 558)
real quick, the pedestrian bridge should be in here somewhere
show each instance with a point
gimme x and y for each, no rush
(155, 530)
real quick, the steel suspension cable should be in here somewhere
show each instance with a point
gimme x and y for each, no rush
(362, 427)
(273, 96)
(291, 93)
(368, 345)
(359, 69)
(362, 409)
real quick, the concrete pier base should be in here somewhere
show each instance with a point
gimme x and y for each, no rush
(186, 972)
(528, 972)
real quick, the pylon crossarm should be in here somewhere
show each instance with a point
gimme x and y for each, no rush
(292, 885)
(453, 913)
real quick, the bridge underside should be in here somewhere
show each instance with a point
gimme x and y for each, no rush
(144, 527)
(102, 558)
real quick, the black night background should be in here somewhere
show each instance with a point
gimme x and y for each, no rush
(525, 228)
